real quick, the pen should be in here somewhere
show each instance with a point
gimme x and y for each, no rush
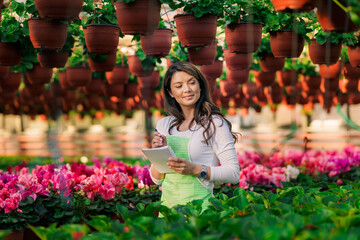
(158, 132)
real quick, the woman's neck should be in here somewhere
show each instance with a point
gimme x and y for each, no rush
(188, 114)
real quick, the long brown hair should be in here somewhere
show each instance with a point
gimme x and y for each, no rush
(205, 109)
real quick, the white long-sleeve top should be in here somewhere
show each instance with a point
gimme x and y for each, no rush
(221, 150)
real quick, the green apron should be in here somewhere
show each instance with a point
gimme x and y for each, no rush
(178, 188)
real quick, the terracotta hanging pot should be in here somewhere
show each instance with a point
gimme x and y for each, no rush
(10, 53)
(52, 58)
(238, 76)
(327, 53)
(287, 44)
(310, 82)
(264, 79)
(96, 86)
(348, 85)
(157, 44)
(4, 71)
(269, 63)
(38, 74)
(196, 32)
(243, 37)
(203, 55)
(329, 84)
(119, 75)
(35, 89)
(147, 18)
(228, 88)
(354, 55)
(116, 90)
(354, 98)
(97, 63)
(332, 18)
(250, 90)
(146, 93)
(136, 68)
(331, 71)
(130, 90)
(212, 71)
(101, 39)
(63, 81)
(78, 76)
(293, 5)
(60, 10)
(351, 72)
(151, 81)
(237, 60)
(287, 77)
(11, 82)
(56, 90)
(46, 34)
(274, 93)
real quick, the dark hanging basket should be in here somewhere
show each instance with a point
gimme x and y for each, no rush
(237, 60)
(327, 53)
(329, 84)
(287, 77)
(36, 89)
(287, 44)
(96, 86)
(136, 68)
(348, 85)
(119, 75)
(130, 90)
(11, 82)
(293, 5)
(138, 17)
(196, 32)
(78, 76)
(331, 71)
(264, 79)
(250, 90)
(38, 74)
(151, 81)
(228, 88)
(203, 55)
(157, 44)
(101, 39)
(243, 37)
(354, 55)
(351, 72)
(47, 34)
(269, 63)
(212, 71)
(332, 18)
(238, 76)
(274, 93)
(103, 66)
(64, 82)
(309, 83)
(116, 90)
(52, 58)
(10, 53)
(59, 10)
(4, 72)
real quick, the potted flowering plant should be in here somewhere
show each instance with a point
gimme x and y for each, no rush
(352, 42)
(215, 70)
(120, 74)
(268, 62)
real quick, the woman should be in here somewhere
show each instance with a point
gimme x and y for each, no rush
(199, 135)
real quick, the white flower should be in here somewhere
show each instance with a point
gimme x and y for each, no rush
(84, 159)
(291, 172)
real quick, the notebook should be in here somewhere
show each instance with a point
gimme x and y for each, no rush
(159, 156)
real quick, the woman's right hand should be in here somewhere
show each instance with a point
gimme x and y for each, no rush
(158, 140)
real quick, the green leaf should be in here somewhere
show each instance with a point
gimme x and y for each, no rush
(241, 203)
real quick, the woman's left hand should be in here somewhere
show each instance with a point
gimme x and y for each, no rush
(183, 166)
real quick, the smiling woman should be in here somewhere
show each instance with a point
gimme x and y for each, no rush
(199, 135)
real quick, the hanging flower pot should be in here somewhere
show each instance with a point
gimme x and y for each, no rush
(351, 72)
(130, 90)
(60, 10)
(237, 60)
(196, 32)
(243, 37)
(146, 93)
(10, 53)
(228, 88)
(238, 76)
(151, 81)
(136, 67)
(96, 86)
(11, 82)
(157, 44)
(212, 71)
(332, 18)
(202, 55)
(287, 77)
(4, 72)
(348, 85)
(34, 89)
(269, 63)
(119, 75)
(102, 63)
(354, 55)
(116, 90)
(274, 93)
(63, 81)
(52, 58)
(78, 76)
(287, 44)
(331, 71)
(46, 34)
(327, 53)
(293, 5)
(101, 39)
(264, 79)
(310, 82)
(329, 84)
(38, 74)
(250, 90)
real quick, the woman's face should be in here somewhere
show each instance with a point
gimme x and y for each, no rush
(185, 88)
